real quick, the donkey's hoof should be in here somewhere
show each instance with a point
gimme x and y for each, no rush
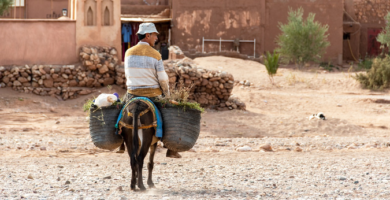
(142, 188)
(132, 187)
(151, 185)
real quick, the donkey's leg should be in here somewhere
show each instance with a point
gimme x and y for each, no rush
(128, 141)
(151, 164)
(146, 141)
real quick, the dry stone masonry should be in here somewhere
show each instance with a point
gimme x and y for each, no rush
(99, 68)
(371, 11)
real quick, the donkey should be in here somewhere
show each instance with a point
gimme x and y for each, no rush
(138, 143)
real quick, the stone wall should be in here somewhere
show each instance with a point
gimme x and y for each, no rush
(371, 11)
(98, 69)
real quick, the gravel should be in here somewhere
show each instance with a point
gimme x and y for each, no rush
(209, 172)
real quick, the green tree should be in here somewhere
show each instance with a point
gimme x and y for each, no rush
(384, 36)
(4, 5)
(302, 41)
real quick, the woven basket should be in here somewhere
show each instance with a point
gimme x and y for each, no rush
(102, 127)
(181, 127)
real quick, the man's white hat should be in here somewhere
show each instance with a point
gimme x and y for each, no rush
(147, 28)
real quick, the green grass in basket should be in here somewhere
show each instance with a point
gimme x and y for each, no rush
(88, 105)
(184, 105)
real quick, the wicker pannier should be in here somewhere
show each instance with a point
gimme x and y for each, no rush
(181, 127)
(102, 126)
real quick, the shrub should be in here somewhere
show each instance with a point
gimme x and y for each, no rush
(384, 36)
(4, 5)
(271, 64)
(378, 77)
(328, 66)
(366, 63)
(302, 41)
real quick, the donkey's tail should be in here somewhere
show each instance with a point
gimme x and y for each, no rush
(135, 113)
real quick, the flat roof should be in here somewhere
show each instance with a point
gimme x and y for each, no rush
(145, 19)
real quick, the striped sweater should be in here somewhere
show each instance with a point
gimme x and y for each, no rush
(145, 72)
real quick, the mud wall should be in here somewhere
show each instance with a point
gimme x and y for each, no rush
(97, 33)
(248, 20)
(37, 42)
(38, 9)
(216, 19)
(327, 12)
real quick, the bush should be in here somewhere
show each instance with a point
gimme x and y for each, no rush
(271, 64)
(4, 5)
(366, 63)
(384, 36)
(378, 77)
(328, 66)
(302, 41)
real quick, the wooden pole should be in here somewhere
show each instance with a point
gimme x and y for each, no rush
(20, 9)
(14, 9)
(51, 14)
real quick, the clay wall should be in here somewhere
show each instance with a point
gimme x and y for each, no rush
(216, 19)
(97, 27)
(327, 12)
(248, 20)
(38, 9)
(37, 42)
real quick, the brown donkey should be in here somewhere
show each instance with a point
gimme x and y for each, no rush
(138, 143)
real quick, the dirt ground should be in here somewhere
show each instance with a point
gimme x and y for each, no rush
(46, 151)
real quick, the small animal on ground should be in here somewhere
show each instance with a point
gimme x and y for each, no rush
(319, 115)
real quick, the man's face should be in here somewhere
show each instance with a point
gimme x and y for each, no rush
(151, 38)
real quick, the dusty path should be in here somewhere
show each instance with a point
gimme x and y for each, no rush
(345, 156)
(318, 175)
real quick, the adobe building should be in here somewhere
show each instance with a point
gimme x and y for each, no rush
(368, 17)
(39, 39)
(198, 27)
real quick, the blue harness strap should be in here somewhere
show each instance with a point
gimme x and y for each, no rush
(157, 114)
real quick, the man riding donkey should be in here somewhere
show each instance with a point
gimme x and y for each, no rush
(145, 72)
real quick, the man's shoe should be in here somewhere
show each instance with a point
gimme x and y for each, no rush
(173, 154)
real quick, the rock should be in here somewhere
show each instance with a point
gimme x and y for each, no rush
(85, 91)
(73, 83)
(108, 81)
(107, 177)
(120, 189)
(67, 182)
(113, 52)
(341, 178)
(244, 149)
(266, 147)
(17, 84)
(298, 149)
(65, 76)
(103, 69)
(86, 50)
(22, 79)
(43, 148)
(48, 83)
(6, 79)
(30, 176)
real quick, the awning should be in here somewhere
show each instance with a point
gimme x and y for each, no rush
(142, 19)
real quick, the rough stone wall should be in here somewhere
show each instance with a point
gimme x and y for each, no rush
(98, 69)
(210, 88)
(371, 11)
